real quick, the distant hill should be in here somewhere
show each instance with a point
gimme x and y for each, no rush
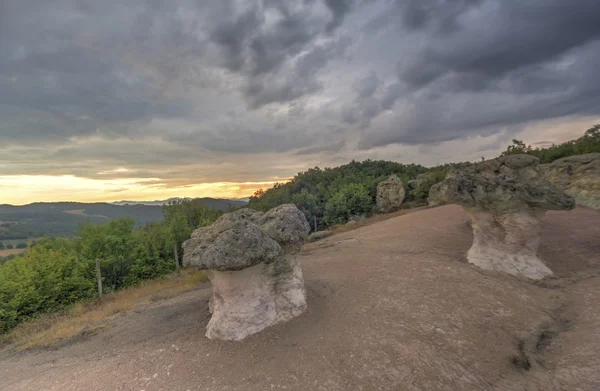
(215, 203)
(63, 218)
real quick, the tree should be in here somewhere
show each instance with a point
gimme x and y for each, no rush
(517, 147)
(1, 246)
(9, 246)
(21, 245)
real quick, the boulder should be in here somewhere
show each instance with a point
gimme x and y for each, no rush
(251, 260)
(435, 197)
(390, 194)
(578, 176)
(506, 199)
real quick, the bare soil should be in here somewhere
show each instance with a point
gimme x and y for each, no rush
(392, 306)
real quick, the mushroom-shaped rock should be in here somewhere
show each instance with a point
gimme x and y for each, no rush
(390, 194)
(578, 176)
(251, 262)
(506, 199)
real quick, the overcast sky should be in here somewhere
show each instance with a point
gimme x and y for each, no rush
(109, 100)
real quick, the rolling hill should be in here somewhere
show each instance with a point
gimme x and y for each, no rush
(62, 218)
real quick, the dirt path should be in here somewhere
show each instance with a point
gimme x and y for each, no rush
(392, 306)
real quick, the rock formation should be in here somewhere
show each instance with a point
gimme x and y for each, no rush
(251, 261)
(506, 199)
(435, 197)
(390, 194)
(578, 176)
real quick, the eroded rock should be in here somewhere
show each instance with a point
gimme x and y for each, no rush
(506, 199)
(578, 176)
(390, 194)
(251, 261)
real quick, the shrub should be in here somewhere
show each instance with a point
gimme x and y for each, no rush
(352, 199)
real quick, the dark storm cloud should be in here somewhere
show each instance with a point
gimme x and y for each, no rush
(365, 87)
(508, 63)
(440, 15)
(261, 50)
(339, 9)
(148, 83)
(512, 35)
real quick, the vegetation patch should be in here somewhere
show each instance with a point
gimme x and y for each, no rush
(87, 317)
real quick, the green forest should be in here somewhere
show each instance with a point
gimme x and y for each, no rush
(55, 272)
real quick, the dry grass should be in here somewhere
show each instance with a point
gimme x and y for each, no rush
(12, 251)
(85, 318)
(371, 220)
(323, 243)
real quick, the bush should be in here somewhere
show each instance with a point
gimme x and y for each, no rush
(21, 245)
(9, 246)
(352, 199)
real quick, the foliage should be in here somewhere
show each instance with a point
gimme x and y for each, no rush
(352, 199)
(9, 246)
(588, 143)
(55, 272)
(21, 245)
(46, 278)
(313, 189)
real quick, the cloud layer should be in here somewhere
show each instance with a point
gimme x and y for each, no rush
(235, 91)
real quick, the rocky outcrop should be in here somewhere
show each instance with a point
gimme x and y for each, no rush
(578, 176)
(251, 261)
(506, 199)
(390, 194)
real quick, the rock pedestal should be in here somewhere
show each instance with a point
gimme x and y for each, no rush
(251, 261)
(506, 199)
(508, 243)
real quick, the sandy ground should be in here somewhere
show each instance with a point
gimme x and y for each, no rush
(392, 306)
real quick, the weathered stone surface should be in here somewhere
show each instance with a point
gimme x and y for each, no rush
(506, 198)
(436, 197)
(286, 224)
(251, 262)
(390, 194)
(578, 176)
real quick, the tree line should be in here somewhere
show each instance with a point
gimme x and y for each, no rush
(334, 195)
(588, 143)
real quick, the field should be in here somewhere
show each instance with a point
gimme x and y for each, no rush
(5, 253)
